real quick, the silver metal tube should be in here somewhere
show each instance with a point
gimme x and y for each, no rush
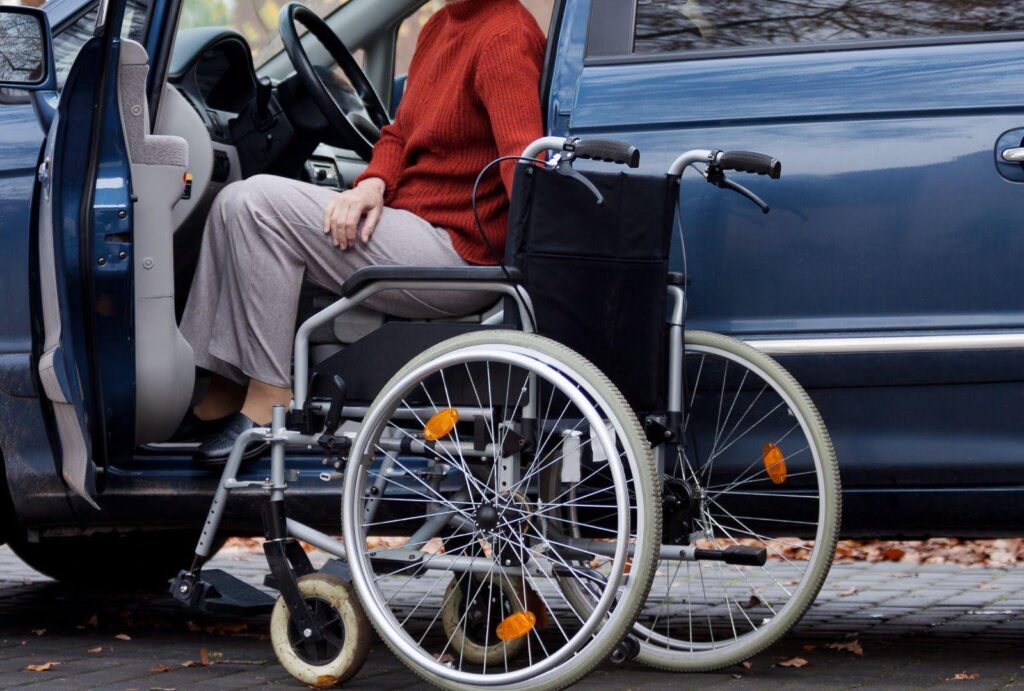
(543, 144)
(301, 368)
(277, 444)
(689, 158)
(675, 355)
(314, 537)
(220, 498)
(607, 549)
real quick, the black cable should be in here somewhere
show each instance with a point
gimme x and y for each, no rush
(500, 260)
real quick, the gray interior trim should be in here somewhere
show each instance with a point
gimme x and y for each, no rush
(164, 362)
(884, 344)
(178, 118)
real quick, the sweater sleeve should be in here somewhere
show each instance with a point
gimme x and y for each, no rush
(508, 82)
(386, 162)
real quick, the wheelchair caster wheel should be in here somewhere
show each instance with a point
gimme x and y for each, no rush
(471, 613)
(625, 651)
(346, 633)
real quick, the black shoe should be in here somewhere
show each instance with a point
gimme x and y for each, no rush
(217, 448)
(193, 428)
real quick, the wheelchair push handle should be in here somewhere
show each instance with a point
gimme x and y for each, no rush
(750, 162)
(607, 150)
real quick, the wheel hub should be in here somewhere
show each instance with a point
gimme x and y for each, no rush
(487, 517)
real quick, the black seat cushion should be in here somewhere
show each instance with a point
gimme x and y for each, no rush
(375, 274)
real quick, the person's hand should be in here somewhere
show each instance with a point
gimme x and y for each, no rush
(342, 216)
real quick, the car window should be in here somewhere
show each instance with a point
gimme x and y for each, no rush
(683, 25)
(409, 29)
(71, 37)
(254, 19)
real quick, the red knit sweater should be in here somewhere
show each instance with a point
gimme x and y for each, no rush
(471, 96)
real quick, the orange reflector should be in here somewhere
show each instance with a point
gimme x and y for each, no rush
(774, 462)
(516, 625)
(441, 424)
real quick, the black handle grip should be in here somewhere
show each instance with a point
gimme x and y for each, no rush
(750, 162)
(607, 150)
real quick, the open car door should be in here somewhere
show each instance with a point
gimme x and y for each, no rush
(87, 208)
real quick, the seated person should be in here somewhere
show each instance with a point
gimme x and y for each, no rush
(471, 96)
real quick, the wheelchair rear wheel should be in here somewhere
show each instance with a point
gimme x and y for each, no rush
(755, 468)
(450, 457)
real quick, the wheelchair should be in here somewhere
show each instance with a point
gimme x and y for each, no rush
(575, 479)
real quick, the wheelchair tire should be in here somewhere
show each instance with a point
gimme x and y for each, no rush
(346, 643)
(573, 642)
(794, 475)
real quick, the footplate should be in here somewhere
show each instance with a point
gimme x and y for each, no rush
(218, 592)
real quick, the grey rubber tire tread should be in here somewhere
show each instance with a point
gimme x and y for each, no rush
(590, 657)
(358, 635)
(683, 661)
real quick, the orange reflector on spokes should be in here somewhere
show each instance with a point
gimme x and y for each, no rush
(516, 625)
(774, 462)
(440, 424)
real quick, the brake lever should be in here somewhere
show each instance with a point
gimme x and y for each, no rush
(564, 167)
(716, 177)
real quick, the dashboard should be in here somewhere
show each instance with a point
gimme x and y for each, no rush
(254, 128)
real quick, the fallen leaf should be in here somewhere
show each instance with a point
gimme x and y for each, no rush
(794, 662)
(39, 632)
(97, 649)
(754, 601)
(986, 586)
(45, 667)
(964, 676)
(123, 637)
(848, 593)
(808, 647)
(747, 665)
(94, 621)
(850, 647)
(204, 657)
(325, 681)
(159, 669)
(192, 663)
(194, 627)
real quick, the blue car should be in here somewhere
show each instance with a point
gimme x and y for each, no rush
(886, 278)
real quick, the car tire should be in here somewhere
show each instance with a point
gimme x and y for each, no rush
(138, 560)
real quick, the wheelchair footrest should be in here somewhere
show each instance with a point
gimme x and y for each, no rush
(218, 592)
(740, 555)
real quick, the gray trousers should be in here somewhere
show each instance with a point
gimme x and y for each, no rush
(262, 237)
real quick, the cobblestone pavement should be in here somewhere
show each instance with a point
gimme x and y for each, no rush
(919, 626)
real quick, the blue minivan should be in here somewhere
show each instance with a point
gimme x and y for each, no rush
(886, 278)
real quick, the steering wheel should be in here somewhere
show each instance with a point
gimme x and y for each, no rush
(357, 116)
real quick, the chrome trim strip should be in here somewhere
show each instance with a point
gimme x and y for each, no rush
(882, 344)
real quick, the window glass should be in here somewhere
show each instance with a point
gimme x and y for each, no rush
(680, 25)
(254, 19)
(70, 38)
(409, 30)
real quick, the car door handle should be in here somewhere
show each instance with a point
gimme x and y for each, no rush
(1015, 155)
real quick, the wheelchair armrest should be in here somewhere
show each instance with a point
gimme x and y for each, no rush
(425, 274)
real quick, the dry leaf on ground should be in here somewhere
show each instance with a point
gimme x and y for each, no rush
(123, 637)
(747, 665)
(850, 647)
(964, 676)
(97, 649)
(159, 669)
(794, 662)
(848, 592)
(39, 632)
(45, 667)
(204, 657)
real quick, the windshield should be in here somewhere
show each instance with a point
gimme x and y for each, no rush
(254, 19)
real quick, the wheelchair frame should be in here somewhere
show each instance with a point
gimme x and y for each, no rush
(286, 559)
